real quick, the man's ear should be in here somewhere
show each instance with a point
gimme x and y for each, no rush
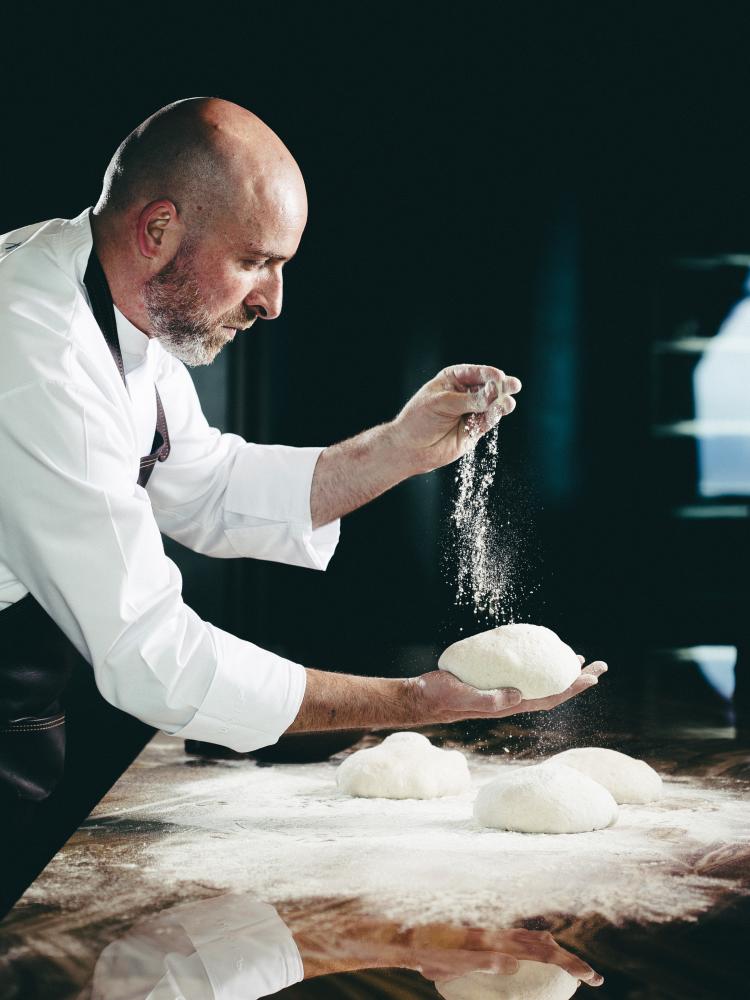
(158, 229)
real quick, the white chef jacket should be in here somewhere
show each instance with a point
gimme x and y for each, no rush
(229, 948)
(79, 533)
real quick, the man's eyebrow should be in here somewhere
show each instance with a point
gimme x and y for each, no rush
(258, 251)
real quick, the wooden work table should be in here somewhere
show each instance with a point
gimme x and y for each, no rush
(103, 888)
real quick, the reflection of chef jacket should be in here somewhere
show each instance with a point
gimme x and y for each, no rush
(84, 540)
(219, 949)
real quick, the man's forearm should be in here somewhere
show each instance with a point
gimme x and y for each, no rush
(343, 701)
(352, 473)
(429, 432)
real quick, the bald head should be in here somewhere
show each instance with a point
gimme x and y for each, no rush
(208, 156)
(201, 207)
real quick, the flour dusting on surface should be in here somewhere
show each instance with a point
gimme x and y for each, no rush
(286, 833)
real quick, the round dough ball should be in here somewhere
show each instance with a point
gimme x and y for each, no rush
(404, 766)
(627, 778)
(533, 981)
(545, 798)
(528, 657)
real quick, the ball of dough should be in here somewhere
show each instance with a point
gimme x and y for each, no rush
(627, 778)
(545, 798)
(533, 981)
(528, 657)
(404, 766)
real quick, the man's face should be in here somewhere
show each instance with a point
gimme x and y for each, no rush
(222, 279)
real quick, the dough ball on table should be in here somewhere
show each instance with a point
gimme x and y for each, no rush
(628, 779)
(528, 657)
(404, 766)
(533, 981)
(545, 798)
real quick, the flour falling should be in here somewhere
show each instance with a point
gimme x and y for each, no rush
(479, 577)
(483, 544)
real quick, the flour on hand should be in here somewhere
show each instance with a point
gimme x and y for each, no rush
(404, 766)
(528, 657)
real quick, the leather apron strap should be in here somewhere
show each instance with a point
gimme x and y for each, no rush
(104, 314)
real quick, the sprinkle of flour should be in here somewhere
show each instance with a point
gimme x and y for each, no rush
(483, 548)
(479, 576)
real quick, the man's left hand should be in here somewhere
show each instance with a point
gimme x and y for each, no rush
(439, 696)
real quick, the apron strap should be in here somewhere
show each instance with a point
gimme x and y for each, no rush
(104, 314)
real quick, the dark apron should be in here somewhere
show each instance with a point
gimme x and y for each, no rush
(62, 746)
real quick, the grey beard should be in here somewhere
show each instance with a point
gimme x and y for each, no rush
(177, 315)
(192, 347)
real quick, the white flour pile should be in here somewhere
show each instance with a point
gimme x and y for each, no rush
(286, 833)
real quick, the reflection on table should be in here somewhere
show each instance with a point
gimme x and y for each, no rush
(237, 946)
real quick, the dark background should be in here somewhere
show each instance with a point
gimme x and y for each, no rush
(485, 185)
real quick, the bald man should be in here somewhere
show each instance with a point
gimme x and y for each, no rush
(104, 446)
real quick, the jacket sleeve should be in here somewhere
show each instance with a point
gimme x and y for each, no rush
(80, 535)
(223, 496)
(228, 947)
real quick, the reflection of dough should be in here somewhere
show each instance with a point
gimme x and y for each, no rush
(404, 766)
(528, 657)
(628, 779)
(545, 798)
(533, 981)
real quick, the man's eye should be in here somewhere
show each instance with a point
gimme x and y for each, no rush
(253, 263)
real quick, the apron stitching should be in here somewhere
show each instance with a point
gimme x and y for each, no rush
(33, 728)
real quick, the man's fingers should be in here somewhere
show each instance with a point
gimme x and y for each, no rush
(573, 965)
(541, 946)
(588, 677)
(577, 968)
(464, 377)
(450, 695)
(508, 698)
(469, 375)
(596, 669)
(455, 700)
(498, 701)
(503, 965)
(481, 399)
(582, 683)
(477, 400)
(483, 422)
(455, 964)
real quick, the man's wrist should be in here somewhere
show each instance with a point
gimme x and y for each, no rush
(398, 702)
(402, 458)
(347, 701)
(411, 697)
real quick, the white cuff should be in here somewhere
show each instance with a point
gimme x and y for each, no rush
(248, 952)
(250, 685)
(267, 507)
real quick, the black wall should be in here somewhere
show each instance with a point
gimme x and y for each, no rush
(484, 185)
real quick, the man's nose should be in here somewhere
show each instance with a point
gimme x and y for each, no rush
(267, 300)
